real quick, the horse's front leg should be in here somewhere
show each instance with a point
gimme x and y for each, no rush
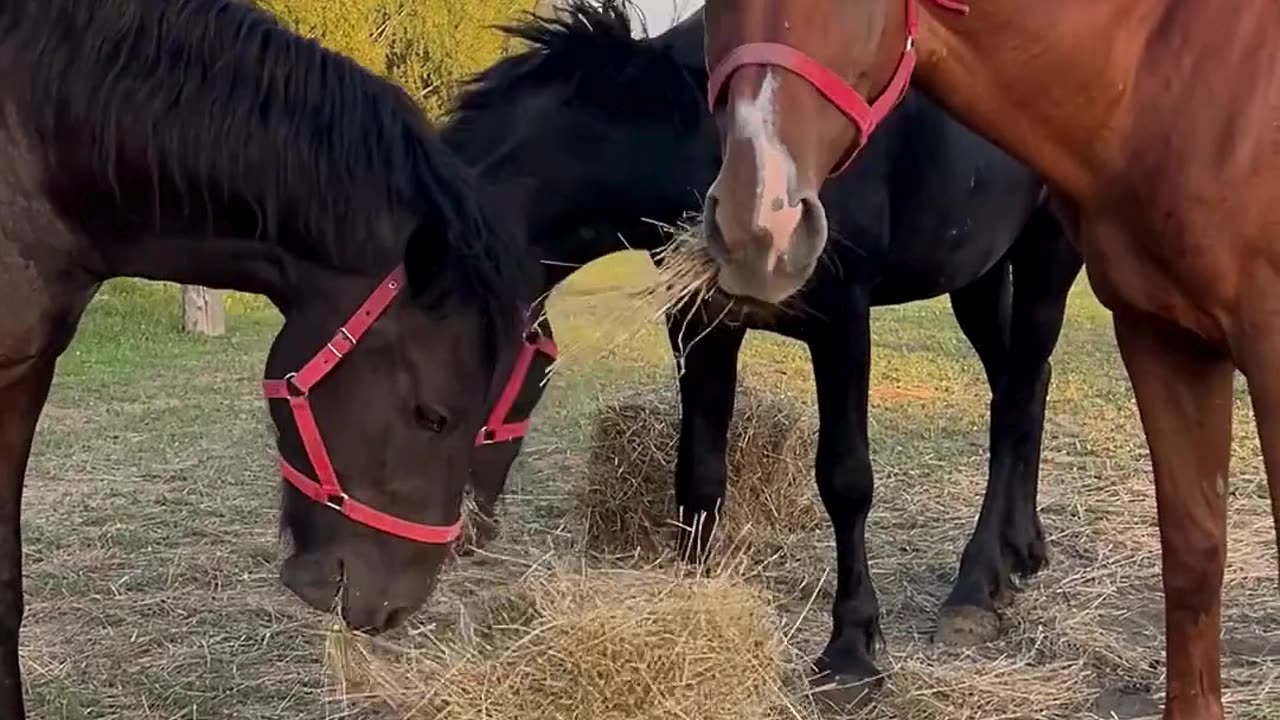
(1185, 401)
(707, 360)
(1258, 350)
(841, 371)
(24, 386)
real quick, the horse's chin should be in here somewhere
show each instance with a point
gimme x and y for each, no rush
(370, 602)
(726, 307)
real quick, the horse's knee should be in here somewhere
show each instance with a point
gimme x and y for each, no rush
(1192, 570)
(1019, 395)
(845, 478)
(700, 479)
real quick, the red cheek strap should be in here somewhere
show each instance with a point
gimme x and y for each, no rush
(296, 388)
(864, 115)
(497, 429)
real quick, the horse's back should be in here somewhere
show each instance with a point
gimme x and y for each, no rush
(1205, 109)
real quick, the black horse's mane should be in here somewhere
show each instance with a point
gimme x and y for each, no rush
(588, 50)
(219, 100)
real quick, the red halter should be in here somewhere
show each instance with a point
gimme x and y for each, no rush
(867, 116)
(296, 388)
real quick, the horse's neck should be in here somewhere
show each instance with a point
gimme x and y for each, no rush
(562, 255)
(563, 234)
(230, 263)
(195, 238)
(1047, 81)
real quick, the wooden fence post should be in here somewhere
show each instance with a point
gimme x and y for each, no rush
(202, 311)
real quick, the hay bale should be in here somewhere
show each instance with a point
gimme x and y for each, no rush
(633, 645)
(627, 503)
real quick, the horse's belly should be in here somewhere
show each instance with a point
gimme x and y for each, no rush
(1169, 279)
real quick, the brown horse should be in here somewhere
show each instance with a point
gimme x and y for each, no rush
(1157, 124)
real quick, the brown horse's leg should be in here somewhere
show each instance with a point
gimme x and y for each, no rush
(23, 391)
(1258, 349)
(1184, 398)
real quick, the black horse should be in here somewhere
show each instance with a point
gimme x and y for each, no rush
(197, 141)
(590, 133)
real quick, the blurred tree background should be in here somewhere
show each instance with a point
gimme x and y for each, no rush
(428, 46)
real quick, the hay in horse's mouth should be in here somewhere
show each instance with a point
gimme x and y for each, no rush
(685, 279)
(686, 271)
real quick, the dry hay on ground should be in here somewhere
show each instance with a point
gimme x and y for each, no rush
(600, 645)
(1083, 642)
(627, 501)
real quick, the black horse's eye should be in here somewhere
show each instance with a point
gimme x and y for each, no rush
(430, 418)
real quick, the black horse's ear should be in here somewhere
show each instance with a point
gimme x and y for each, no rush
(685, 42)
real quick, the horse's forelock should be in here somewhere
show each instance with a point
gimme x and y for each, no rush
(589, 48)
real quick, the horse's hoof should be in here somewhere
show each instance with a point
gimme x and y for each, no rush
(848, 688)
(845, 693)
(1004, 597)
(966, 626)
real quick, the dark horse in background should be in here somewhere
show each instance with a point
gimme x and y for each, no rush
(590, 134)
(196, 141)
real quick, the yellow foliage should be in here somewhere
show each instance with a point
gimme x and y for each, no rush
(428, 46)
(434, 44)
(346, 26)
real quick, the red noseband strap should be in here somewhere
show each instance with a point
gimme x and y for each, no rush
(296, 388)
(866, 116)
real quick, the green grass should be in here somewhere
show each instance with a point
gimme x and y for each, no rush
(150, 510)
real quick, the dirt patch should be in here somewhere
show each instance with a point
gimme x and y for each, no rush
(893, 394)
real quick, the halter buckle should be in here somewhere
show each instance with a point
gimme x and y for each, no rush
(342, 331)
(335, 500)
(291, 384)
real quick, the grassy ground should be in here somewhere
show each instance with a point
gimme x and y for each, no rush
(150, 521)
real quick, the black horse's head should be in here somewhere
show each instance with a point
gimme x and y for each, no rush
(595, 139)
(590, 133)
(398, 376)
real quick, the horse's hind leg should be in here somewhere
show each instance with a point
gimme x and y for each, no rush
(24, 386)
(1014, 342)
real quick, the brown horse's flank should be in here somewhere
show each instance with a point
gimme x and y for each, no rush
(1158, 124)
